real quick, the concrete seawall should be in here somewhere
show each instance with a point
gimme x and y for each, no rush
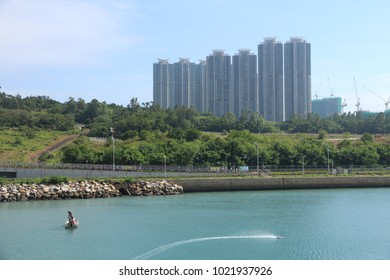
(289, 183)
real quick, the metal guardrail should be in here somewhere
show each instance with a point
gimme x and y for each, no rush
(197, 169)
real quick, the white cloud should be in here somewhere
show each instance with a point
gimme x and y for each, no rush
(63, 32)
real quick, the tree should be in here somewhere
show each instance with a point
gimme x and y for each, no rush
(228, 121)
(358, 154)
(128, 154)
(134, 105)
(285, 153)
(81, 152)
(367, 137)
(322, 134)
(100, 127)
(212, 152)
(93, 110)
(383, 150)
(183, 153)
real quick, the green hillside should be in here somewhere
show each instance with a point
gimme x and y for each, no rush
(24, 144)
(41, 129)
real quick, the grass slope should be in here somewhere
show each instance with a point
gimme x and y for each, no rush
(24, 144)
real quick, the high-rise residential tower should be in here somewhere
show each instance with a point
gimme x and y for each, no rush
(199, 98)
(163, 83)
(244, 82)
(270, 60)
(184, 82)
(222, 84)
(180, 84)
(218, 68)
(297, 77)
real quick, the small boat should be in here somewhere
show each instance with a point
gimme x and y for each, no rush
(73, 224)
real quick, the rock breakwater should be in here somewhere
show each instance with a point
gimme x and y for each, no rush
(70, 190)
(145, 188)
(84, 190)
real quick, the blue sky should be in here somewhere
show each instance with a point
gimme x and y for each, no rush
(105, 49)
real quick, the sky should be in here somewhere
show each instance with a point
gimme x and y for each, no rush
(105, 49)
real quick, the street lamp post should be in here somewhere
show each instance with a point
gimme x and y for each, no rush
(303, 165)
(257, 156)
(113, 148)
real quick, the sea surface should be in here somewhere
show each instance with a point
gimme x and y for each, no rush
(334, 224)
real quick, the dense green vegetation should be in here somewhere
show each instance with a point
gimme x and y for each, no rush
(145, 134)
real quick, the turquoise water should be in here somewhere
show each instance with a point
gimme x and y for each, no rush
(315, 224)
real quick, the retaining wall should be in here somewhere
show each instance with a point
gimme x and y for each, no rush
(252, 184)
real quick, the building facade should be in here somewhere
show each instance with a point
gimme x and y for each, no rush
(184, 82)
(163, 84)
(297, 77)
(271, 98)
(179, 84)
(201, 87)
(244, 82)
(219, 93)
(278, 89)
(327, 107)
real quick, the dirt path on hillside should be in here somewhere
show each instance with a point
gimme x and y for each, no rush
(59, 143)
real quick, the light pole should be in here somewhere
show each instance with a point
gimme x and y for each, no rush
(165, 166)
(113, 148)
(303, 165)
(257, 156)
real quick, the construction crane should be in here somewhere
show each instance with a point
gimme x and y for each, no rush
(357, 98)
(386, 102)
(330, 88)
(316, 93)
(343, 105)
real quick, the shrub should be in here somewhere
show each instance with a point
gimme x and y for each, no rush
(53, 180)
(2, 181)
